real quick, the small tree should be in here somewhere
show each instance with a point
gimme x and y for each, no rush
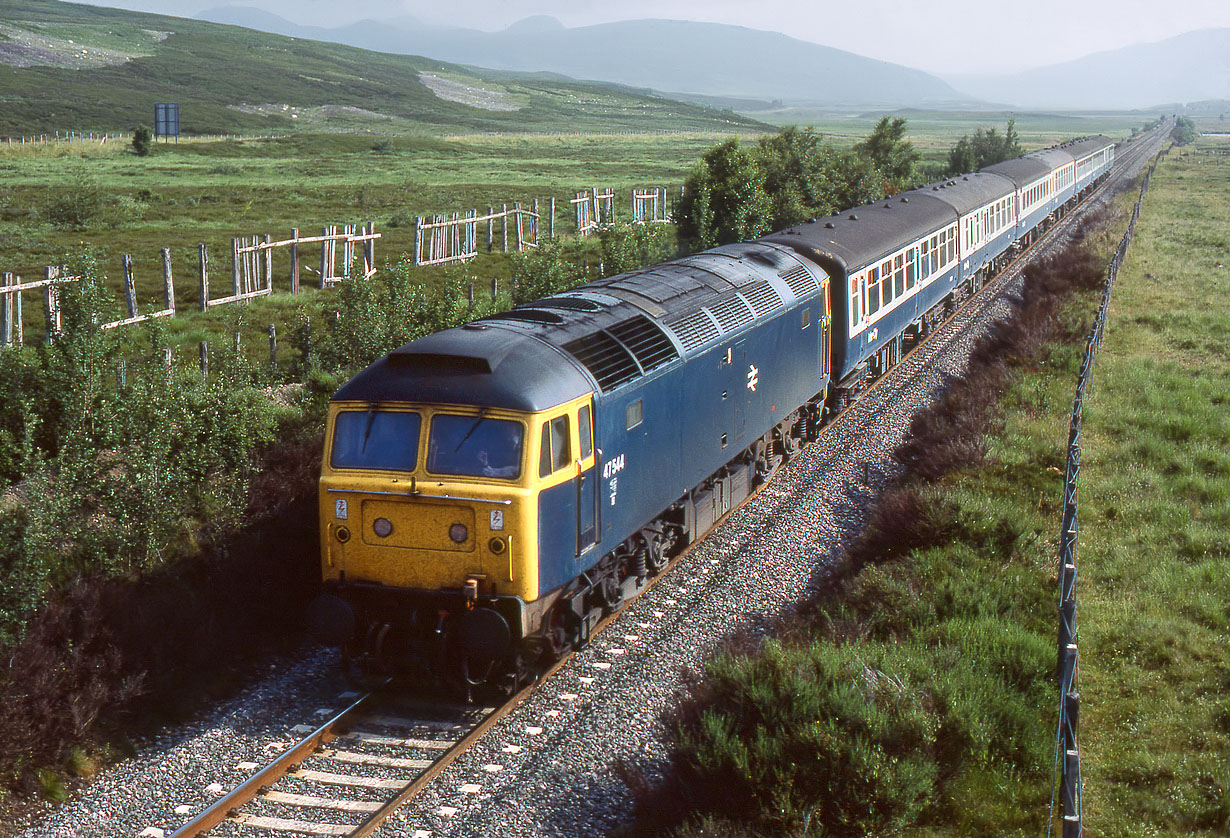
(724, 199)
(142, 141)
(890, 152)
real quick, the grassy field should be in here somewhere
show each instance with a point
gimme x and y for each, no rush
(1155, 511)
(209, 191)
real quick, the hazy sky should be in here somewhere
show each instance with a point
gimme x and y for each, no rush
(940, 36)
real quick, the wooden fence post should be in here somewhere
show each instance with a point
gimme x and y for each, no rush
(51, 304)
(294, 260)
(205, 361)
(6, 310)
(203, 256)
(324, 259)
(494, 287)
(268, 264)
(236, 281)
(130, 287)
(520, 226)
(551, 221)
(490, 227)
(369, 250)
(273, 346)
(534, 222)
(168, 283)
(504, 227)
(19, 335)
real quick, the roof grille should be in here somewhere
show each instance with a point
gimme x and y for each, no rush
(645, 340)
(800, 280)
(763, 297)
(606, 359)
(694, 330)
(732, 313)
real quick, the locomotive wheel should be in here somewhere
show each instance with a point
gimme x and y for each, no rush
(655, 554)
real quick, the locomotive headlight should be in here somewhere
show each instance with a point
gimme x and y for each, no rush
(497, 545)
(458, 533)
(342, 534)
(383, 527)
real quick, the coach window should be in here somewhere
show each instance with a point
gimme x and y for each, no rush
(556, 451)
(909, 268)
(924, 255)
(898, 275)
(856, 300)
(886, 282)
(873, 291)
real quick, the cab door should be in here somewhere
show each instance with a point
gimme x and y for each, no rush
(587, 481)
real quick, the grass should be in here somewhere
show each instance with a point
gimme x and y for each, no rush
(1155, 493)
(209, 191)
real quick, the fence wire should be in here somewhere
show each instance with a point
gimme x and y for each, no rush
(1066, 768)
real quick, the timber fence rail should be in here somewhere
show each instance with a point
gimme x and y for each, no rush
(1067, 763)
(448, 238)
(252, 276)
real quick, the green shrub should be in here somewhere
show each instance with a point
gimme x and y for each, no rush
(142, 141)
(814, 738)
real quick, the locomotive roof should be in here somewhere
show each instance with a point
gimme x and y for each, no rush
(472, 365)
(599, 336)
(862, 235)
(966, 193)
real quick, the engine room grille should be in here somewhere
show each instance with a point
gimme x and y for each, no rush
(646, 341)
(801, 282)
(694, 330)
(763, 297)
(732, 313)
(607, 361)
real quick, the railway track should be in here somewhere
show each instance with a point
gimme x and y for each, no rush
(347, 775)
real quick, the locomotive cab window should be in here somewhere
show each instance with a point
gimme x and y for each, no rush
(805, 318)
(475, 446)
(376, 439)
(556, 450)
(585, 431)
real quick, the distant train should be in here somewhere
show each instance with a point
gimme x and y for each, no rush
(490, 492)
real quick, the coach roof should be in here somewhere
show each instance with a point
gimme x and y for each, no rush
(862, 235)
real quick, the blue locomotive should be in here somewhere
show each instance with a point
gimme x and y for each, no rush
(490, 492)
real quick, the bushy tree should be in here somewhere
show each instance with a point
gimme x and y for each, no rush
(724, 198)
(890, 152)
(1184, 132)
(985, 148)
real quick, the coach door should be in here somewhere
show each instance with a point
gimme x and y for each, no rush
(587, 481)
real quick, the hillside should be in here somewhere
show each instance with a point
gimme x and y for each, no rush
(1186, 68)
(73, 67)
(683, 57)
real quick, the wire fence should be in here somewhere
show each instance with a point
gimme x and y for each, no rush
(1067, 763)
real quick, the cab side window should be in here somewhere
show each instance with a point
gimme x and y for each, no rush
(556, 450)
(585, 430)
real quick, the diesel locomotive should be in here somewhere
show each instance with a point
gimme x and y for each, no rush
(488, 493)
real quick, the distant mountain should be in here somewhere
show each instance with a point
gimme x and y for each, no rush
(1186, 68)
(66, 66)
(706, 59)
